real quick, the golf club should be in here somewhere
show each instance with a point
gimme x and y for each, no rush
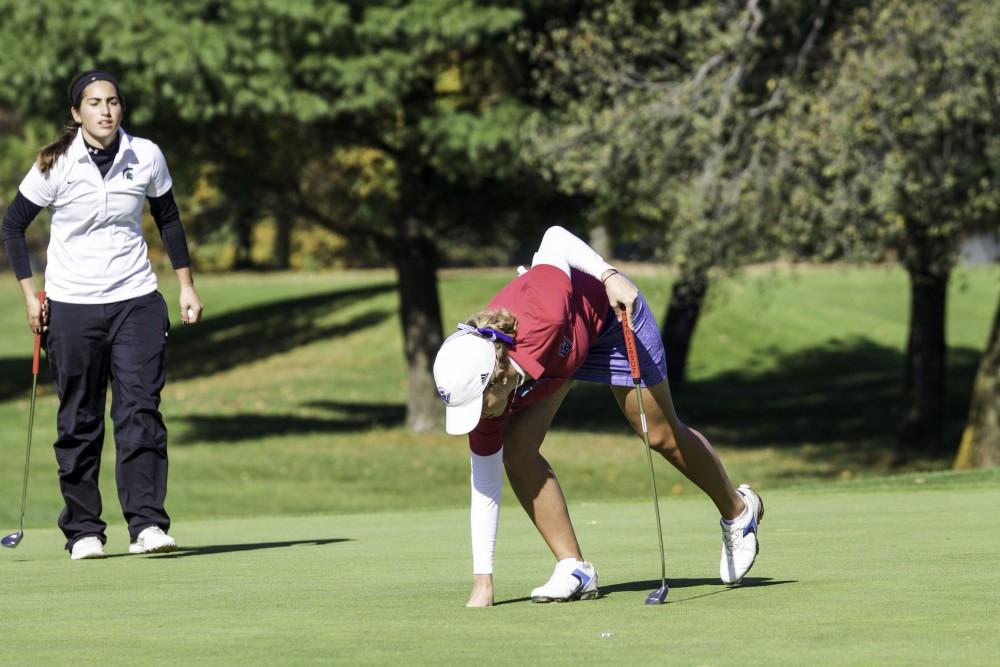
(658, 596)
(12, 540)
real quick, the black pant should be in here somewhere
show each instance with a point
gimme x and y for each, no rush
(86, 345)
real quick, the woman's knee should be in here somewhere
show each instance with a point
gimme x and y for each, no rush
(143, 428)
(527, 467)
(663, 441)
(518, 459)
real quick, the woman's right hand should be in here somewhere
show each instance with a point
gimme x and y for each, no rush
(37, 312)
(482, 591)
(621, 291)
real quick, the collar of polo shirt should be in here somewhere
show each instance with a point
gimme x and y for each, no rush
(78, 149)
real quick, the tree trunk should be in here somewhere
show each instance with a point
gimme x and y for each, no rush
(416, 259)
(980, 446)
(284, 221)
(9, 122)
(600, 240)
(921, 426)
(243, 258)
(686, 298)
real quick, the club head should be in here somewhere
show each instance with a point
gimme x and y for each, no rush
(659, 596)
(12, 540)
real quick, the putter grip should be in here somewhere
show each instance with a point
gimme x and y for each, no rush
(36, 355)
(633, 358)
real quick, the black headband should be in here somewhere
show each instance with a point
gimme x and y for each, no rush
(84, 79)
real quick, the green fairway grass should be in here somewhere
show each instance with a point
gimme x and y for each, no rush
(316, 529)
(898, 577)
(289, 397)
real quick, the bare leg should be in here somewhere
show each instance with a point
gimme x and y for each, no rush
(685, 448)
(533, 480)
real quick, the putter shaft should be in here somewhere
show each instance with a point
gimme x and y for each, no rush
(27, 450)
(652, 479)
(633, 362)
(14, 539)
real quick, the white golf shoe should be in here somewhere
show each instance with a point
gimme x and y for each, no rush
(572, 580)
(152, 540)
(86, 548)
(739, 539)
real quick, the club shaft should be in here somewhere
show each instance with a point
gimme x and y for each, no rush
(652, 479)
(633, 363)
(27, 449)
(35, 367)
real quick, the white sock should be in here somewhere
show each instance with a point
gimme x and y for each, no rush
(743, 517)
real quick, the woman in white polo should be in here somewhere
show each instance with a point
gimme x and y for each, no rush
(104, 318)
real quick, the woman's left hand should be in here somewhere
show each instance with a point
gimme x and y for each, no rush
(482, 591)
(621, 291)
(191, 306)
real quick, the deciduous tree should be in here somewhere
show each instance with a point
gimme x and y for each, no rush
(980, 446)
(897, 151)
(271, 91)
(659, 114)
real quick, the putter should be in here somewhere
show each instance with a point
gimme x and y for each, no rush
(12, 540)
(659, 596)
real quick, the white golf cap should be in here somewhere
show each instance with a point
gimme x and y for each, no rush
(462, 369)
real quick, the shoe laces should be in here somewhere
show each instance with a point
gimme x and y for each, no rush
(732, 535)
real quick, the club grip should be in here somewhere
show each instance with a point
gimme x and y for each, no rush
(36, 355)
(633, 358)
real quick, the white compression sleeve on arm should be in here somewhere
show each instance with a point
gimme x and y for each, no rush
(484, 515)
(564, 250)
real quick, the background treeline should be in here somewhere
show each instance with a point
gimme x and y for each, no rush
(309, 134)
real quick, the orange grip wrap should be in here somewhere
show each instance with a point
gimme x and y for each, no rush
(38, 341)
(633, 358)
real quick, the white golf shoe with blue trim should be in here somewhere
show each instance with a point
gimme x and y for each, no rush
(572, 580)
(739, 539)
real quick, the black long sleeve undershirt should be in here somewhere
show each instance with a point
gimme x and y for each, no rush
(19, 215)
(168, 221)
(22, 211)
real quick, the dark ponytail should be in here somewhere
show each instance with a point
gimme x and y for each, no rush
(50, 153)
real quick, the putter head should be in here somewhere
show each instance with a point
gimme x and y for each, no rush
(659, 596)
(12, 540)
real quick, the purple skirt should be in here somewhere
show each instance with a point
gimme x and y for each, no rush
(607, 360)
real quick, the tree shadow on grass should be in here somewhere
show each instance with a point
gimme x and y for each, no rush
(15, 377)
(231, 339)
(651, 585)
(844, 391)
(250, 426)
(212, 549)
(225, 341)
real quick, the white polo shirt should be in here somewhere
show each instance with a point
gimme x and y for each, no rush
(96, 251)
